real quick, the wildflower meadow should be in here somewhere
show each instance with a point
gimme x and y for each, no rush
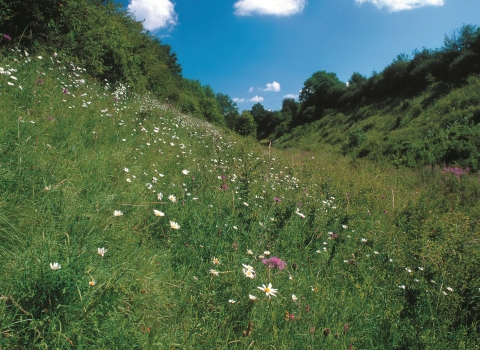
(126, 224)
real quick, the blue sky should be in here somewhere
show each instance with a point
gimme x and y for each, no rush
(264, 50)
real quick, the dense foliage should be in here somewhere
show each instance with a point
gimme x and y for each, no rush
(111, 45)
(411, 96)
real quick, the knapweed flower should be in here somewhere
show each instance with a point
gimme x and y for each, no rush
(269, 291)
(117, 213)
(7, 37)
(55, 266)
(172, 198)
(276, 199)
(158, 212)
(213, 272)
(275, 262)
(101, 251)
(174, 225)
(215, 261)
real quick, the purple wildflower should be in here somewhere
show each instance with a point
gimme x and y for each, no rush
(7, 37)
(275, 262)
(333, 235)
(276, 199)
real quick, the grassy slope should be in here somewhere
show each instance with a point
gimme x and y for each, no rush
(378, 258)
(441, 123)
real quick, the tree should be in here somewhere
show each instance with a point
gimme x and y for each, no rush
(210, 111)
(246, 124)
(356, 79)
(228, 109)
(322, 90)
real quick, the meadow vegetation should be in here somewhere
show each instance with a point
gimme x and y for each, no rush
(125, 223)
(133, 216)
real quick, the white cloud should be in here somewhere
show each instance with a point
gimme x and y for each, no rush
(256, 99)
(158, 14)
(273, 87)
(251, 89)
(238, 100)
(269, 7)
(291, 96)
(400, 5)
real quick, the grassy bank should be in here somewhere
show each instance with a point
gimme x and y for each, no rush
(125, 222)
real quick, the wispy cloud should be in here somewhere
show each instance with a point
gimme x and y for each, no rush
(401, 5)
(273, 87)
(251, 89)
(269, 7)
(238, 100)
(290, 96)
(157, 14)
(256, 99)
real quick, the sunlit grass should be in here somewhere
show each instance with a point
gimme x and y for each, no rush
(126, 224)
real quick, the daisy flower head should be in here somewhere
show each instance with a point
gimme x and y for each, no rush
(269, 291)
(117, 213)
(55, 266)
(252, 297)
(158, 212)
(172, 198)
(249, 274)
(185, 172)
(101, 251)
(213, 272)
(248, 271)
(174, 225)
(159, 196)
(215, 261)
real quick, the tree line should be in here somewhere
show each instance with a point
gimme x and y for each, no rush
(405, 77)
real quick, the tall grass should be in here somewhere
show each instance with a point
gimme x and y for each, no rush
(172, 233)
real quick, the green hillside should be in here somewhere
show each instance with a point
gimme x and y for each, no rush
(132, 216)
(128, 224)
(439, 126)
(422, 109)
